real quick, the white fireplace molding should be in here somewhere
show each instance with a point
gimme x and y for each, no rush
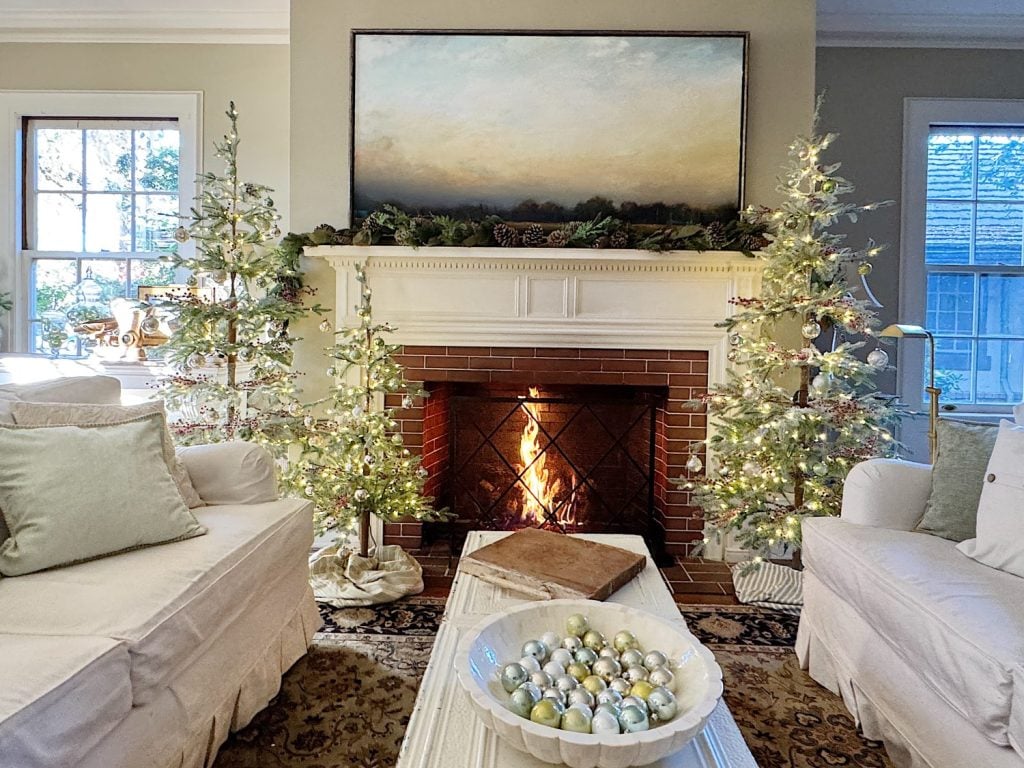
(549, 298)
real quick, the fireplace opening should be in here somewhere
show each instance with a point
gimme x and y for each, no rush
(568, 458)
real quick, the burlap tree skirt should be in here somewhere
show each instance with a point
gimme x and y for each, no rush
(343, 579)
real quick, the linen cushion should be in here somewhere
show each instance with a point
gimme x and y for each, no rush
(231, 473)
(70, 494)
(1000, 540)
(172, 603)
(101, 390)
(957, 477)
(60, 696)
(956, 623)
(84, 415)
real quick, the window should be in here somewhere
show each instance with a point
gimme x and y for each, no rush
(95, 184)
(101, 205)
(963, 250)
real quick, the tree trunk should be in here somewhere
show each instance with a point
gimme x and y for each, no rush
(364, 533)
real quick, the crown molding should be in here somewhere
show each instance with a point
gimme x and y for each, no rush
(921, 30)
(141, 25)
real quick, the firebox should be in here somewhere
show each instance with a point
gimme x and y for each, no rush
(565, 458)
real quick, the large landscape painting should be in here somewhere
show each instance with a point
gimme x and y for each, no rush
(549, 127)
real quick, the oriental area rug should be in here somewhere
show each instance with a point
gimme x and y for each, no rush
(347, 703)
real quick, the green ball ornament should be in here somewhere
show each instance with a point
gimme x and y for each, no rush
(512, 676)
(577, 625)
(641, 689)
(576, 720)
(594, 640)
(625, 640)
(521, 702)
(791, 222)
(828, 186)
(864, 268)
(547, 712)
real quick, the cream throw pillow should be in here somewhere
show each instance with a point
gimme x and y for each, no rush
(71, 494)
(1000, 539)
(85, 415)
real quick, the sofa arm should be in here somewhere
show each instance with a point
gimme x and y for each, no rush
(231, 473)
(886, 493)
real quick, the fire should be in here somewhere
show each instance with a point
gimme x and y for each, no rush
(539, 487)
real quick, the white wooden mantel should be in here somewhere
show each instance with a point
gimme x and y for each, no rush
(538, 297)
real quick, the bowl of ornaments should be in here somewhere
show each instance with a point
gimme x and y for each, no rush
(589, 684)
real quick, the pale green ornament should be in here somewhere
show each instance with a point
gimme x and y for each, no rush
(512, 676)
(624, 641)
(585, 656)
(521, 702)
(577, 625)
(641, 689)
(594, 684)
(536, 649)
(633, 719)
(594, 640)
(580, 671)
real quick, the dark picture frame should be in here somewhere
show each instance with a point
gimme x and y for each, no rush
(549, 125)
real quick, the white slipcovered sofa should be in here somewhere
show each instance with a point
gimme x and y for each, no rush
(148, 659)
(925, 645)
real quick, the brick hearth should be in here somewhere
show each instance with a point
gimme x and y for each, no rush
(682, 374)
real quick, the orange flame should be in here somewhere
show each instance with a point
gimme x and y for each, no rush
(538, 488)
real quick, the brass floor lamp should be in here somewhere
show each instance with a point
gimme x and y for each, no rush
(902, 331)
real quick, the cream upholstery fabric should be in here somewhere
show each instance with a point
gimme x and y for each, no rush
(1000, 527)
(86, 414)
(956, 623)
(231, 473)
(57, 512)
(59, 696)
(886, 493)
(842, 651)
(172, 602)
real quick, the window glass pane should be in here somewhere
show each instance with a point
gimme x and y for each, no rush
(150, 272)
(108, 160)
(156, 218)
(1001, 305)
(58, 221)
(998, 234)
(947, 233)
(58, 158)
(52, 281)
(46, 336)
(1001, 166)
(109, 276)
(156, 159)
(108, 223)
(951, 304)
(950, 166)
(1000, 371)
(953, 368)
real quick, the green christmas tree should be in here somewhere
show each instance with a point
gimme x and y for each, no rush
(230, 348)
(353, 463)
(792, 419)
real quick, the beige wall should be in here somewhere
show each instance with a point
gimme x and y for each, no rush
(255, 76)
(781, 77)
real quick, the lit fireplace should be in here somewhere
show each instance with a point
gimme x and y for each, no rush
(543, 502)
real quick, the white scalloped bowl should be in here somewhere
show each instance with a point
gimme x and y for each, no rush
(497, 640)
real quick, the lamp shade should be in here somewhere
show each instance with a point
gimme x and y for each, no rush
(901, 330)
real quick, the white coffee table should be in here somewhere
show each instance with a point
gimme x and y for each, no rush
(444, 732)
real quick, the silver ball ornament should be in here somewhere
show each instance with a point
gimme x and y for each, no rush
(565, 683)
(610, 696)
(553, 669)
(150, 325)
(550, 639)
(636, 674)
(663, 678)
(534, 690)
(693, 464)
(605, 722)
(585, 656)
(536, 649)
(326, 327)
(361, 494)
(580, 695)
(662, 703)
(811, 329)
(611, 709)
(561, 656)
(878, 358)
(607, 668)
(608, 653)
(530, 664)
(555, 695)
(572, 643)
(182, 235)
(634, 701)
(541, 679)
(512, 676)
(654, 659)
(621, 686)
(631, 657)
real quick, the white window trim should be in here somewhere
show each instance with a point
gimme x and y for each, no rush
(184, 106)
(919, 115)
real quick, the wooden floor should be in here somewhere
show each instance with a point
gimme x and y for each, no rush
(693, 580)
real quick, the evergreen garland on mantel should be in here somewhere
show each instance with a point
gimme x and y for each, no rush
(391, 226)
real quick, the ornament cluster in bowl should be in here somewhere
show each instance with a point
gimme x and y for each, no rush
(496, 645)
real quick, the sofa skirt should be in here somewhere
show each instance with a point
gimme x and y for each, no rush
(889, 702)
(187, 723)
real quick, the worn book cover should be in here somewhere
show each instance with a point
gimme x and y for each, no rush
(548, 565)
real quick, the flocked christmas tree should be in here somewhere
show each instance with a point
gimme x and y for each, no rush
(230, 348)
(792, 419)
(353, 462)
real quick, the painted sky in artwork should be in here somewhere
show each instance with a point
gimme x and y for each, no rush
(495, 119)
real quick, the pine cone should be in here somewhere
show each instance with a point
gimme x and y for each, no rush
(716, 236)
(325, 228)
(372, 223)
(619, 239)
(534, 236)
(602, 242)
(753, 242)
(557, 239)
(571, 227)
(505, 235)
(405, 236)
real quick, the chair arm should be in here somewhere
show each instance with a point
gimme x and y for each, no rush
(886, 493)
(231, 473)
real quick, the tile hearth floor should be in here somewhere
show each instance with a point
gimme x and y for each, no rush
(692, 580)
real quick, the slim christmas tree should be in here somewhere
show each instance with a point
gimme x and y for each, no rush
(353, 463)
(792, 419)
(230, 345)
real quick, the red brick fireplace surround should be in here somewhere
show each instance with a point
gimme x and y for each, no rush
(682, 375)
